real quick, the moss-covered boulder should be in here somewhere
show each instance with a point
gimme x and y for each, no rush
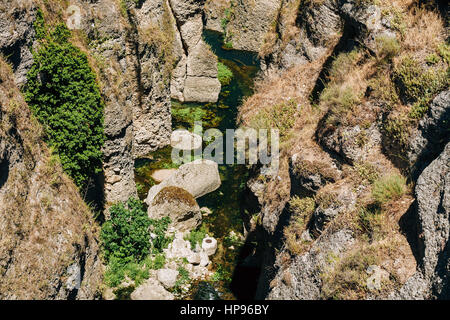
(177, 204)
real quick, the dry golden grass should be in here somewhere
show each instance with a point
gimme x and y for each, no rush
(425, 30)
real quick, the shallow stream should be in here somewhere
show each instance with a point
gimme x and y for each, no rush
(225, 203)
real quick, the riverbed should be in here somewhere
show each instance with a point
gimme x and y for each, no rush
(225, 223)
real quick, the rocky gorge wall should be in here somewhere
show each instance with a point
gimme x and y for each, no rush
(311, 216)
(338, 66)
(48, 239)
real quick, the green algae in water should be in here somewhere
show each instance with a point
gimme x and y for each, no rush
(144, 168)
(225, 202)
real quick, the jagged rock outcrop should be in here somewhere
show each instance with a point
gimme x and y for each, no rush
(17, 35)
(310, 174)
(301, 280)
(432, 133)
(48, 241)
(135, 85)
(432, 280)
(195, 76)
(304, 33)
(130, 47)
(151, 290)
(249, 21)
(317, 27)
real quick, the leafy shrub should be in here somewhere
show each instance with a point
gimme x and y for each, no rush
(118, 270)
(63, 94)
(126, 235)
(224, 74)
(159, 228)
(221, 274)
(389, 187)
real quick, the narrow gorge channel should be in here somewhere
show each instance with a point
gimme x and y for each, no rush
(225, 223)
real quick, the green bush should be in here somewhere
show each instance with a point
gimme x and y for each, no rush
(126, 235)
(159, 228)
(387, 188)
(224, 74)
(63, 94)
(127, 244)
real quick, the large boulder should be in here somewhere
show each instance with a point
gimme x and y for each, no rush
(185, 140)
(177, 204)
(151, 290)
(167, 277)
(198, 178)
(433, 132)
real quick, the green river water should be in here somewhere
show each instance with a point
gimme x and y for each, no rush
(225, 202)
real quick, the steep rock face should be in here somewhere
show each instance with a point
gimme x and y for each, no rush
(17, 35)
(432, 280)
(48, 241)
(130, 47)
(305, 33)
(195, 76)
(135, 85)
(302, 278)
(332, 195)
(118, 75)
(432, 133)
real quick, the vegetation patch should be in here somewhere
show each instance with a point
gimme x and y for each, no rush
(388, 188)
(415, 82)
(224, 74)
(196, 237)
(281, 116)
(301, 210)
(63, 94)
(127, 243)
(346, 278)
